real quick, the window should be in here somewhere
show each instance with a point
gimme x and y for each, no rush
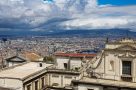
(126, 67)
(42, 80)
(65, 65)
(36, 85)
(29, 87)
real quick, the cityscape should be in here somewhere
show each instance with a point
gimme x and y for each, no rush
(67, 45)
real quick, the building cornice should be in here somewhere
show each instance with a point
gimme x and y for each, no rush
(59, 71)
(106, 83)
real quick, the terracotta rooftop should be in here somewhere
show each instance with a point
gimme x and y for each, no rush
(32, 56)
(75, 55)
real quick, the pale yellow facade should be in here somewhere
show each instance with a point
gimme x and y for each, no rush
(114, 68)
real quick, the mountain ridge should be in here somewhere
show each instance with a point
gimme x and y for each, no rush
(73, 33)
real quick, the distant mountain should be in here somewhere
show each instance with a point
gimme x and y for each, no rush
(72, 33)
(93, 33)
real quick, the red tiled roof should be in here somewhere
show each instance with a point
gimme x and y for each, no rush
(32, 56)
(75, 55)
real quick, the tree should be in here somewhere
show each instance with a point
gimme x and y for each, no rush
(48, 59)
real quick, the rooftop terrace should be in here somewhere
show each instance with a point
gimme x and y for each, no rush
(23, 71)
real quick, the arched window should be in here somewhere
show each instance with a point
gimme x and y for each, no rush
(111, 68)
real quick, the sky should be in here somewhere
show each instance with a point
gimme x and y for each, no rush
(118, 2)
(48, 15)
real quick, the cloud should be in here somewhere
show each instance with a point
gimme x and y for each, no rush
(66, 14)
(95, 23)
(104, 16)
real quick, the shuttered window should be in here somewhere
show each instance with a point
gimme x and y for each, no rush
(126, 67)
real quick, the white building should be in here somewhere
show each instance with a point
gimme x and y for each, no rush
(27, 76)
(112, 69)
(21, 58)
(71, 61)
(15, 60)
(60, 79)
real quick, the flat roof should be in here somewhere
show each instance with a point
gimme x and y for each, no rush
(23, 71)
